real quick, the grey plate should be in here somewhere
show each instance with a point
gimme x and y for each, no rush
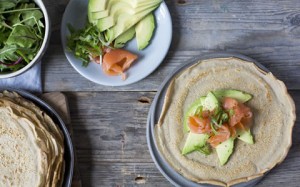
(154, 114)
(69, 154)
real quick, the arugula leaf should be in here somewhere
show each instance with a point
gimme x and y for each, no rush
(22, 36)
(31, 18)
(6, 4)
(85, 43)
(8, 53)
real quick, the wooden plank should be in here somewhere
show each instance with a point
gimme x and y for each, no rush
(267, 31)
(110, 136)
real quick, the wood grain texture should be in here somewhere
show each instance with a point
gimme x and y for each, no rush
(110, 122)
(59, 103)
(110, 136)
(267, 31)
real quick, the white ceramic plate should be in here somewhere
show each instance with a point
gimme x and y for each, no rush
(148, 59)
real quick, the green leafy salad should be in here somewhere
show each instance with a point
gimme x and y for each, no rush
(22, 32)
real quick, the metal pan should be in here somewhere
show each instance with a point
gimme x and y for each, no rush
(154, 114)
(69, 154)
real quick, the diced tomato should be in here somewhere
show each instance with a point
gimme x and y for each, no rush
(199, 125)
(223, 134)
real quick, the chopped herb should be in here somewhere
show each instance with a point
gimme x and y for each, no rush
(231, 112)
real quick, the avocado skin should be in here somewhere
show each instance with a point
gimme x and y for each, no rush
(144, 31)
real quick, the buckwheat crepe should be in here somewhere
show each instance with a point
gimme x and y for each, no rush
(31, 145)
(273, 111)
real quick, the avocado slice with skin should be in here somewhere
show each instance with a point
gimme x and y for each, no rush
(235, 94)
(195, 142)
(124, 38)
(144, 31)
(224, 150)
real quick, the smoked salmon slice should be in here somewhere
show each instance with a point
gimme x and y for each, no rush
(199, 125)
(241, 113)
(223, 133)
(117, 61)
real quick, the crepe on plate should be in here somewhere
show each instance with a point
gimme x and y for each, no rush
(273, 111)
(31, 145)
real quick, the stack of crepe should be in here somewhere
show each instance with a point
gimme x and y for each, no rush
(31, 145)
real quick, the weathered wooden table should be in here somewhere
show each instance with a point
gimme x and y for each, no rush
(110, 122)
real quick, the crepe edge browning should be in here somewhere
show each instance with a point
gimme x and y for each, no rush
(261, 173)
(46, 124)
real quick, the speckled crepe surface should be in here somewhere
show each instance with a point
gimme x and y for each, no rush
(274, 116)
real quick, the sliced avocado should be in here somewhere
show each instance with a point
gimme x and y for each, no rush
(120, 9)
(125, 21)
(191, 111)
(104, 24)
(99, 15)
(211, 102)
(224, 150)
(246, 136)
(235, 94)
(97, 5)
(124, 38)
(195, 142)
(144, 31)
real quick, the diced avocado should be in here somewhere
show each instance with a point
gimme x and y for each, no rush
(224, 150)
(235, 94)
(99, 15)
(144, 31)
(211, 102)
(191, 111)
(126, 21)
(246, 136)
(124, 38)
(97, 5)
(195, 142)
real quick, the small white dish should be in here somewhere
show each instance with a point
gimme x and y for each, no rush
(148, 59)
